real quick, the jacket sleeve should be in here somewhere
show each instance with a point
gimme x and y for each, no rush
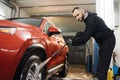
(89, 30)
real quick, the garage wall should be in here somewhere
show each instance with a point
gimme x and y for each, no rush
(76, 54)
(22, 13)
(117, 34)
(5, 11)
(116, 9)
(117, 46)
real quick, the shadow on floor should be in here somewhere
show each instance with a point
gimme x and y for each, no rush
(76, 72)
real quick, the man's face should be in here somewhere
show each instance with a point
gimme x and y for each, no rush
(78, 15)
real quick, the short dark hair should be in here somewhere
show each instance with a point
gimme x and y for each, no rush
(75, 8)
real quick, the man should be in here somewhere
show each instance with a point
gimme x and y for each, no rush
(96, 28)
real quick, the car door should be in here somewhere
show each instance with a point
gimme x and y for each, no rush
(55, 43)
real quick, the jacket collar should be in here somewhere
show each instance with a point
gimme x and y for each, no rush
(85, 15)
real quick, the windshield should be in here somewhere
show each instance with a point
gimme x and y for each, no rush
(31, 21)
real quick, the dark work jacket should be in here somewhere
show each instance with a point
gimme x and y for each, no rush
(95, 27)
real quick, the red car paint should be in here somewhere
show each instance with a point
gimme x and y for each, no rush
(13, 46)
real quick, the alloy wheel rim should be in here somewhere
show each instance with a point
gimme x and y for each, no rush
(34, 72)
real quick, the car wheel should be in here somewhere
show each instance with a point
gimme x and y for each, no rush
(31, 69)
(64, 71)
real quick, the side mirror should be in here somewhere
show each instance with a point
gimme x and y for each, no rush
(53, 30)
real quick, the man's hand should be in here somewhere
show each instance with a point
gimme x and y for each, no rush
(69, 42)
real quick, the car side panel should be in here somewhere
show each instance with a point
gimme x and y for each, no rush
(9, 47)
(60, 57)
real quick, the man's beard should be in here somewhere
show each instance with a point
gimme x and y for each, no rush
(81, 19)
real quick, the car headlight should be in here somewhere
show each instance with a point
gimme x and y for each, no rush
(9, 30)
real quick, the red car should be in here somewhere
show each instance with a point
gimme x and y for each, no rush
(25, 43)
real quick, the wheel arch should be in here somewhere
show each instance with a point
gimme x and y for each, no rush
(37, 49)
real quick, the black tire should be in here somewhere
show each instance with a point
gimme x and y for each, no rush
(64, 71)
(30, 69)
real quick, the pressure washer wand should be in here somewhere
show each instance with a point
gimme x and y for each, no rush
(54, 54)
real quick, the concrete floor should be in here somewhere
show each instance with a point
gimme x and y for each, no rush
(76, 72)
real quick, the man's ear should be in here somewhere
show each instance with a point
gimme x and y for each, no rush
(83, 12)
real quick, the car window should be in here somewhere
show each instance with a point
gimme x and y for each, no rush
(47, 25)
(31, 21)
